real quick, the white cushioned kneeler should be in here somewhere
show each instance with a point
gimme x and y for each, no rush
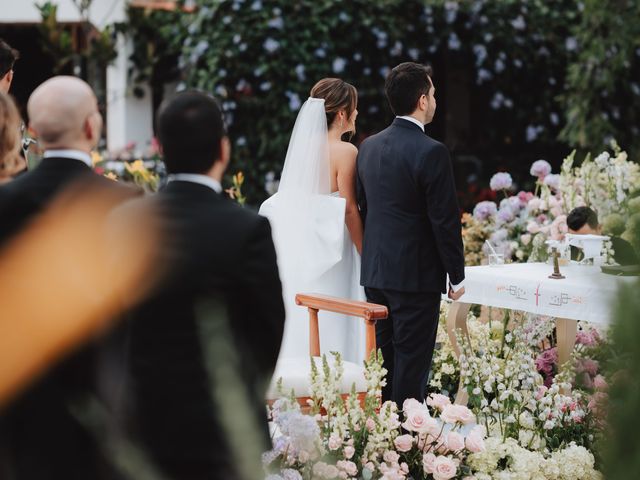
(296, 372)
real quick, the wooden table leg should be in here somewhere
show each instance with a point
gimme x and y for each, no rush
(457, 320)
(566, 331)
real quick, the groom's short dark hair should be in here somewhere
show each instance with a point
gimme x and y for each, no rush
(190, 129)
(404, 86)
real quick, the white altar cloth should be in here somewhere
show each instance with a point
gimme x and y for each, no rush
(585, 294)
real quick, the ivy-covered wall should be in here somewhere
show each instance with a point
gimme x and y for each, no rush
(531, 78)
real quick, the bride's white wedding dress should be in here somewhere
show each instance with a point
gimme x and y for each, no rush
(315, 251)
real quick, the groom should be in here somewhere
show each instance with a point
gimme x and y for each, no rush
(412, 231)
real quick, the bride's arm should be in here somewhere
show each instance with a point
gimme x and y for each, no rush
(346, 173)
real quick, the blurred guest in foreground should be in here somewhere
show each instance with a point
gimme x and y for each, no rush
(203, 348)
(584, 221)
(10, 141)
(40, 437)
(8, 57)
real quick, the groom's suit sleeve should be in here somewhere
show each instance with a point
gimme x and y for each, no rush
(443, 211)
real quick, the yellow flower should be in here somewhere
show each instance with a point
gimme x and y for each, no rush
(239, 178)
(95, 158)
(111, 176)
(137, 166)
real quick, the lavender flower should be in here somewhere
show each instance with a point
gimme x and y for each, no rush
(505, 215)
(501, 181)
(540, 169)
(484, 210)
(552, 181)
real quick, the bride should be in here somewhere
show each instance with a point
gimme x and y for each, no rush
(316, 225)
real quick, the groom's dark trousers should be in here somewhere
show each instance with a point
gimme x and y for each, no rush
(412, 240)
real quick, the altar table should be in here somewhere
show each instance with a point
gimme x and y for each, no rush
(585, 294)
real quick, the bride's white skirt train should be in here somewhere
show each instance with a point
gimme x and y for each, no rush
(316, 255)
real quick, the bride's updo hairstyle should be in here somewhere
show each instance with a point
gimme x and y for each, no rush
(338, 95)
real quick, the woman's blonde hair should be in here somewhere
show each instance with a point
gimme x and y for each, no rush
(338, 95)
(10, 141)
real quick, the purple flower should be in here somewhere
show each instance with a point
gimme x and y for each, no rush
(501, 181)
(515, 203)
(540, 169)
(505, 214)
(484, 210)
(552, 181)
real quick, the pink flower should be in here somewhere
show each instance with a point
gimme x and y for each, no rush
(370, 424)
(348, 467)
(418, 420)
(334, 442)
(585, 337)
(455, 441)
(475, 441)
(444, 468)
(541, 392)
(590, 366)
(404, 467)
(349, 451)
(428, 460)
(457, 414)
(600, 382)
(533, 227)
(438, 401)
(403, 443)
(391, 457)
(410, 404)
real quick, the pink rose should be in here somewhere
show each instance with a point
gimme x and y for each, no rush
(404, 467)
(444, 468)
(438, 401)
(600, 383)
(403, 443)
(455, 441)
(427, 462)
(457, 414)
(418, 420)
(475, 441)
(349, 451)
(410, 404)
(334, 442)
(348, 467)
(390, 456)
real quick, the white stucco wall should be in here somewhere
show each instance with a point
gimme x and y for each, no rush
(128, 118)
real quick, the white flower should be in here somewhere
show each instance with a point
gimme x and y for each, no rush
(271, 45)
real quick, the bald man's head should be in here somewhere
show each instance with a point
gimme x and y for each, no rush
(63, 113)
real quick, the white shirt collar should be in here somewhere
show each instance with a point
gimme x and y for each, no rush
(83, 157)
(412, 120)
(205, 180)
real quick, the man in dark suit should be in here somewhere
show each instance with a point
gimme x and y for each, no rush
(412, 231)
(40, 438)
(204, 345)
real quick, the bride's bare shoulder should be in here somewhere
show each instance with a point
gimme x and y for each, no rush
(343, 151)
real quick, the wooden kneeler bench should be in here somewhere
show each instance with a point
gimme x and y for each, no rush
(295, 372)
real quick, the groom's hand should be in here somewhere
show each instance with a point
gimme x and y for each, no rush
(455, 295)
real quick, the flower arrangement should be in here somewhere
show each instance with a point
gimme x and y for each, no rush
(520, 224)
(344, 439)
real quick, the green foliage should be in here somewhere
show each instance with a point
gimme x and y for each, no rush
(622, 449)
(603, 93)
(261, 58)
(156, 40)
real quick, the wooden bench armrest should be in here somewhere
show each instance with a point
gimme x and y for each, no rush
(370, 312)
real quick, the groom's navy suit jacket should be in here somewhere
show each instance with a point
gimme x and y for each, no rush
(407, 197)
